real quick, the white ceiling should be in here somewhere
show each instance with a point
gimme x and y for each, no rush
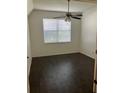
(61, 5)
(90, 1)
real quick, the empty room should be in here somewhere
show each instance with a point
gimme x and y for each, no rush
(62, 46)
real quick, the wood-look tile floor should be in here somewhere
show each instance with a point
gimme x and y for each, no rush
(68, 73)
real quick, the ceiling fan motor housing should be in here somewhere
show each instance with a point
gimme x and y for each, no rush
(68, 14)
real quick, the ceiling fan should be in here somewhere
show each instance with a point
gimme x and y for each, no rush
(69, 15)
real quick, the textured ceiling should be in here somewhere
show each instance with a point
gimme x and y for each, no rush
(86, 0)
(61, 5)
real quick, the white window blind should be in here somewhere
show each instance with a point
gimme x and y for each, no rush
(56, 30)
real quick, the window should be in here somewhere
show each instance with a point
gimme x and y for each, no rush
(56, 30)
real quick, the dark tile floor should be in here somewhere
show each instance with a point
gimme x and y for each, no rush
(68, 73)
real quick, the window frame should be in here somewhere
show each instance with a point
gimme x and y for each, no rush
(59, 42)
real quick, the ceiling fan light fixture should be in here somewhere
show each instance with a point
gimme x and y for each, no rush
(67, 19)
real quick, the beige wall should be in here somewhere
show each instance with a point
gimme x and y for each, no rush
(39, 48)
(29, 9)
(88, 32)
(29, 6)
(28, 50)
(28, 60)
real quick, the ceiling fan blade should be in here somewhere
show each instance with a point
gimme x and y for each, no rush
(75, 17)
(59, 17)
